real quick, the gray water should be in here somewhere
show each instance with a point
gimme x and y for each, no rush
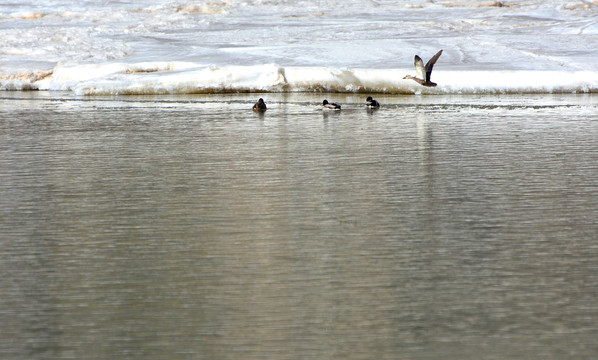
(189, 227)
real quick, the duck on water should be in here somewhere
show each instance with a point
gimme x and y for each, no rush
(371, 103)
(260, 105)
(330, 106)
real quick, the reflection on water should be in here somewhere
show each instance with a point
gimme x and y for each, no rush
(190, 227)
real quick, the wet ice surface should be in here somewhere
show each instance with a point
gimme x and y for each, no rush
(336, 40)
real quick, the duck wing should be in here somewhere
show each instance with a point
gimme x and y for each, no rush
(430, 65)
(419, 67)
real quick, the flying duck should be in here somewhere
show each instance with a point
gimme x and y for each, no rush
(422, 74)
(371, 103)
(260, 105)
(330, 106)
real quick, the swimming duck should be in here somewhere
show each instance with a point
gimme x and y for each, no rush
(260, 105)
(330, 106)
(422, 74)
(371, 103)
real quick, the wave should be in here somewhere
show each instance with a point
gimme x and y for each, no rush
(154, 78)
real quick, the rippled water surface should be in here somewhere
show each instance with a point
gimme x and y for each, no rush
(192, 228)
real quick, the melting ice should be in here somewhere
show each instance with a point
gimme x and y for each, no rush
(165, 46)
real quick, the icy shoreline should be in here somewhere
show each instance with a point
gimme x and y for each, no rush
(188, 78)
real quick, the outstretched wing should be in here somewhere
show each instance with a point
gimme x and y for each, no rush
(430, 65)
(419, 67)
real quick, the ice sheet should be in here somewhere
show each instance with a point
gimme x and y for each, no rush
(165, 46)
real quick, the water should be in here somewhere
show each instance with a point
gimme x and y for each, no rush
(161, 227)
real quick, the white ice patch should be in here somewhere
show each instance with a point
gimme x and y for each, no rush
(188, 78)
(179, 46)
